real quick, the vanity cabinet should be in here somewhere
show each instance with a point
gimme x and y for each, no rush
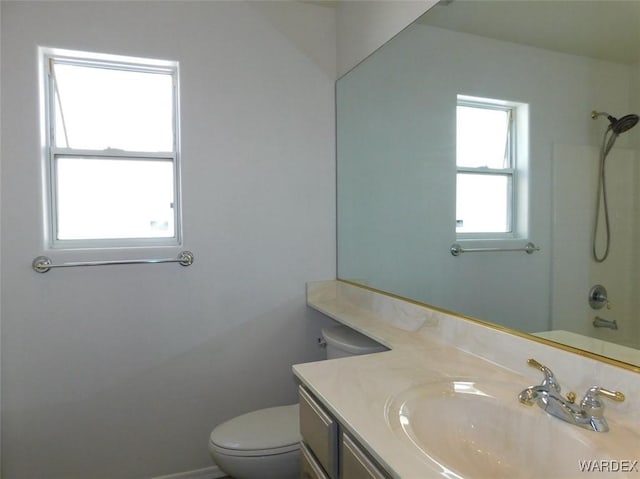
(354, 462)
(310, 468)
(328, 452)
(320, 434)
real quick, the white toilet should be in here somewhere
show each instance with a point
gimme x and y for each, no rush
(264, 444)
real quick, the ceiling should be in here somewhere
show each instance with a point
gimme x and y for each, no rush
(603, 29)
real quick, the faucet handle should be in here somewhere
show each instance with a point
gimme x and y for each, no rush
(594, 391)
(591, 403)
(549, 379)
(535, 364)
(593, 408)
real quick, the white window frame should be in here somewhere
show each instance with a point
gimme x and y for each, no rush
(49, 55)
(515, 170)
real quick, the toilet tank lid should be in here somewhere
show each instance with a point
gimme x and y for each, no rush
(268, 428)
(350, 340)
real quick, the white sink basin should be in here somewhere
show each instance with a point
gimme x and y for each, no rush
(468, 429)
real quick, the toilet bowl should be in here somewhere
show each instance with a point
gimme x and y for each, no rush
(265, 444)
(260, 444)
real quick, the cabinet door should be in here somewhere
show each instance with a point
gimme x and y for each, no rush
(320, 432)
(355, 464)
(310, 469)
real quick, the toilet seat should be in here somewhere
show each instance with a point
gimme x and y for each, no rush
(254, 452)
(265, 432)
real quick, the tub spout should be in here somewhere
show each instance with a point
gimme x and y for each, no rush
(599, 322)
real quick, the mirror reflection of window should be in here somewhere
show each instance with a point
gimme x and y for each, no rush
(482, 136)
(486, 167)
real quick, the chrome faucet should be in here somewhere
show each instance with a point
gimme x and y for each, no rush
(589, 414)
(599, 322)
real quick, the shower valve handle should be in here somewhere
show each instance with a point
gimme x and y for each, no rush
(598, 297)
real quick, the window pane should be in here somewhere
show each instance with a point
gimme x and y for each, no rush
(482, 137)
(99, 108)
(118, 198)
(482, 203)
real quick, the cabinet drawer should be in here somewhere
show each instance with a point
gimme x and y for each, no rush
(310, 469)
(355, 464)
(320, 432)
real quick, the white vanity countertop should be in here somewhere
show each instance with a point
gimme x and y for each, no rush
(429, 346)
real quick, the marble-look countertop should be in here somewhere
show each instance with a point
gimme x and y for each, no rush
(427, 346)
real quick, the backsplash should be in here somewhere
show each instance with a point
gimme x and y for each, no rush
(356, 306)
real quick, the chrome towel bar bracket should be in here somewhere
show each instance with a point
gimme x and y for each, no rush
(42, 264)
(457, 250)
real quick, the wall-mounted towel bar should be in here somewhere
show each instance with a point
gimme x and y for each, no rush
(457, 250)
(42, 264)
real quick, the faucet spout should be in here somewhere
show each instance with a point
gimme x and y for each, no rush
(551, 402)
(532, 394)
(599, 322)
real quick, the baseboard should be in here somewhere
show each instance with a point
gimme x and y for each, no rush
(212, 472)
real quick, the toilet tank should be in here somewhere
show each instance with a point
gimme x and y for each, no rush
(342, 341)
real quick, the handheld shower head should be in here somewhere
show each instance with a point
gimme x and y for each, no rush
(615, 128)
(625, 123)
(616, 125)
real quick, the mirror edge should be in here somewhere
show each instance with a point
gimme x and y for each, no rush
(564, 347)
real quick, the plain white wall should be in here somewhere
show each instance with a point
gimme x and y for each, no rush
(122, 371)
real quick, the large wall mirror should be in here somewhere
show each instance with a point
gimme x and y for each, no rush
(545, 66)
